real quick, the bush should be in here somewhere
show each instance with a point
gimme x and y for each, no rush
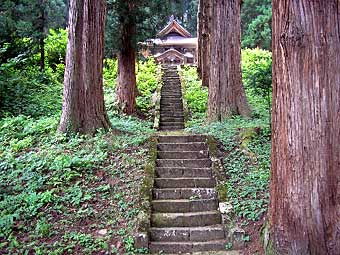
(147, 82)
(55, 46)
(195, 95)
(28, 91)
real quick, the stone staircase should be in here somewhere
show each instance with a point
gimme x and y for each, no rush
(185, 216)
(171, 112)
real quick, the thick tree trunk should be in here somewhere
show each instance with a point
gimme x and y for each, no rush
(305, 179)
(203, 52)
(83, 103)
(127, 88)
(226, 92)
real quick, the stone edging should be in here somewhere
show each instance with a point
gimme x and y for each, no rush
(141, 237)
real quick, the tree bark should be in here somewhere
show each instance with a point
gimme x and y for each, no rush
(83, 103)
(126, 87)
(305, 180)
(203, 52)
(226, 92)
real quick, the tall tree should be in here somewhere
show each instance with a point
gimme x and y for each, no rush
(305, 179)
(127, 88)
(204, 30)
(226, 92)
(83, 103)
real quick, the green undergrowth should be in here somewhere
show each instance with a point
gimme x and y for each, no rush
(245, 153)
(256, 78)
(70, 194)
(195, 96)
(147, 77)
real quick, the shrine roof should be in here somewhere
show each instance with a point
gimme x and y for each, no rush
(174, 27)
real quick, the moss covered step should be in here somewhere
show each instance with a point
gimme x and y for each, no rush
(186, 234)
(201, 182)
(192, 146)
(184, 193)
(179, 172)
(187, 247)
(192, 163)
(184, 205)
(181, 138)
(191, 219)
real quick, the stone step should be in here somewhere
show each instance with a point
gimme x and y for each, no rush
(184, 205)
(173, 128)
(171, 124)
(184, 193)
(182, 172)
(192, 163)
(185, 234)
(187, 247)
(185, 182)
(194, 146)
(171, 101)
(172, 119)
(171, 91)
(183, 154)
(170, 106)
(177, 95)
(172, 114)
(171, 109)
(181, 138)
(171, 77)
(176, 115)
(192, 219)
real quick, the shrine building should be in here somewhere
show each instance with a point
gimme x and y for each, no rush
(174, 45)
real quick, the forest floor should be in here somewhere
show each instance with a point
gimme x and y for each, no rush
(70, 195)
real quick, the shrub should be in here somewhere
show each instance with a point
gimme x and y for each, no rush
(147, 73)
(195, 95)
(55, 46)
(257, 79)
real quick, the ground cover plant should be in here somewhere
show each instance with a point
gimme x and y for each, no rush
(74, 195)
